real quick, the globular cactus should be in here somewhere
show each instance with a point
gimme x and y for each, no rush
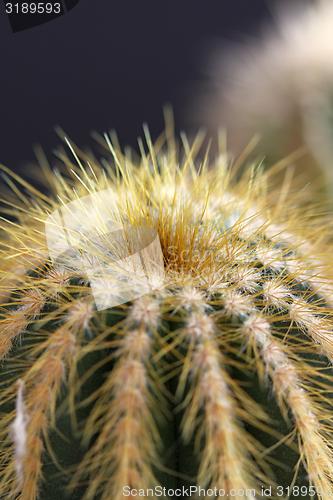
(218, 376)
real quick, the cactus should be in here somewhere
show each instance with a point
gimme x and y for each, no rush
(291, 106)
(217, 377)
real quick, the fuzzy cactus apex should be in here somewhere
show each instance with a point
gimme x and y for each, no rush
(166, 329)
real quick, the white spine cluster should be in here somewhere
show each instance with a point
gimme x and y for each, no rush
(19, 432)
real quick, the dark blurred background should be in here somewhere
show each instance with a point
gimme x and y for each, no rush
(109, 64)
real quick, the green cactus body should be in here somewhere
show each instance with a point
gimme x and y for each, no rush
(218, 377)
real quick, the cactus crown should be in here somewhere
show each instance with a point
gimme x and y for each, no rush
(179, 384)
